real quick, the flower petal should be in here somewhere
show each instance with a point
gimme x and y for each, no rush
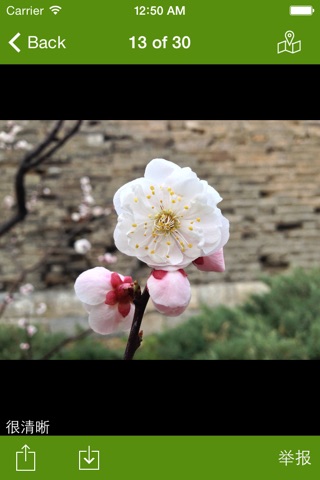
(225, 234)
(122, 191)
(169, 311)
(159, 169)
(170, 294)
(92, 285)
(124, 308)
(115, 280)
(111, 298)
(106, 319)
(211, 263)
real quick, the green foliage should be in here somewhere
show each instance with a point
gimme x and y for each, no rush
(89, 348)
(11, 337)
(281, 324)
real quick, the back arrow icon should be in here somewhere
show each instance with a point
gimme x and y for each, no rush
(13, 39)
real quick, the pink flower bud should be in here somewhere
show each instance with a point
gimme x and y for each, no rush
(211, 263)
(170, 292)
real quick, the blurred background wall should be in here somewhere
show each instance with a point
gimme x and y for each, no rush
(268, 173)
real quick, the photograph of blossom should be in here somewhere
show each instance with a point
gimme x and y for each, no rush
(159, 239)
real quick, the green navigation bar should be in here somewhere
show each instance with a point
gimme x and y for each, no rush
(160, 457)
(159, 32)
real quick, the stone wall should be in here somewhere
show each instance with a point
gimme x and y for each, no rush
(65, 313)
(268, 173)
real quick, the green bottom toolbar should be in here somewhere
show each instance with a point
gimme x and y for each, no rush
(160, 457)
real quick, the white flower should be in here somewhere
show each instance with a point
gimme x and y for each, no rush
(41, 308)
(82, 246)
(86, 188)
(169, 217)
(84, 210)
(75, 217)
(89, 199)
(22, 322)
(108, 258)
(31, 330)
(23, 145)
(26, 289)
(8, 201)
(97, 211)
(84, 180)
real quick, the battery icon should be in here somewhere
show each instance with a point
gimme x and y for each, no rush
(301, 10)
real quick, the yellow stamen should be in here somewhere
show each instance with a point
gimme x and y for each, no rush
(166, 222)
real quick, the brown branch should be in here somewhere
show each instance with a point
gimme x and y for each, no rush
(65, 342)
(51, 137)
(135, 336)
(32, 160)
(59, 144)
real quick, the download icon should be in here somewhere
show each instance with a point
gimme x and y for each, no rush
(89, 459)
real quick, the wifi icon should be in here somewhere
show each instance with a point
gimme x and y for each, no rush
(55, 9)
